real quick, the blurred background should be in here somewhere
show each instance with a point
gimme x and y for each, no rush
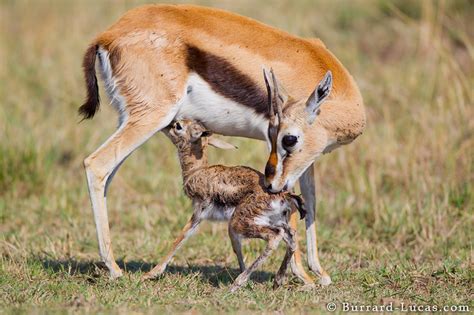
(395, 207)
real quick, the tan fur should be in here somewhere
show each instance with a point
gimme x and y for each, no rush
(221, 187)
(147, 49)
(152, 41)
(297, 264)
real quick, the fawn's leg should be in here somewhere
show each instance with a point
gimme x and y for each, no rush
(289, 239)
(237, 247)
(273, 240)
(187, 231)
(280, 276)
(308, 190)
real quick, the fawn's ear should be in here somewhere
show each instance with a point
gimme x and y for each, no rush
(196, 130)
(221, 144)
(299, 204)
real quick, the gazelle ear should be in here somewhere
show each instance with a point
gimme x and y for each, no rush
(318, 96)
(221, 144)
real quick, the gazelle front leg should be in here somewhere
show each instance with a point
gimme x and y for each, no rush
(100, 167)
(308, 191)
(296, 264)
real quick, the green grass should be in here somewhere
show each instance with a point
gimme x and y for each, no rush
(395, 208)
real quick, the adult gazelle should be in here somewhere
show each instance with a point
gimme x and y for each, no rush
(165, 62)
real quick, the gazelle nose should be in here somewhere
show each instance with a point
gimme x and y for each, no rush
(269, 187)
(269, 170)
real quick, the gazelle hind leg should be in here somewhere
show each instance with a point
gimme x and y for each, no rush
(187, 231)
(237, 247)
(271, 246)
(289, 238)
(309, 195)
(101, 164)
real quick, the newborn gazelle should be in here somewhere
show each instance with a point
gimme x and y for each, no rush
(231, 193)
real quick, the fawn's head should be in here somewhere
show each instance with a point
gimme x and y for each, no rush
(185, 133)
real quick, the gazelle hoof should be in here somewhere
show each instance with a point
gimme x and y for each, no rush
(308, 287)
(151, 275)
(154, 273)
(234, 288)
(115, 273)
(325, 280)
(278, 282)
(148, 276)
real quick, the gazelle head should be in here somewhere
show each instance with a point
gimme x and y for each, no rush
(293, 148)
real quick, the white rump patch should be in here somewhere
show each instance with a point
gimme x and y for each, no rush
(110, 84)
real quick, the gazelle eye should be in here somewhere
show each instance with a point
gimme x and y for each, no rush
(178, 126)
(289, 141)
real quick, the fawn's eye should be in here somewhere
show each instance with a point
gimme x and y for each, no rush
(178, 126)
(289, 141)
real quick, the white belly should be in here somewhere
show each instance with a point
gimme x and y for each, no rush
(221, 115)
(217, 213)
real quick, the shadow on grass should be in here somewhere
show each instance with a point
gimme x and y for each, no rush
(214, 275)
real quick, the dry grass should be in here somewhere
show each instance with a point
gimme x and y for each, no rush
(395, 207)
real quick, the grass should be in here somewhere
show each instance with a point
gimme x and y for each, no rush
(395, 208)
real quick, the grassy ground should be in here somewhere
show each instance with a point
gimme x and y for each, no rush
(395, 208)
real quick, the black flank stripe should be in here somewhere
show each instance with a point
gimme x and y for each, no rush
(227, 80)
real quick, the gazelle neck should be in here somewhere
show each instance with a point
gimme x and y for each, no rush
(192, 156)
